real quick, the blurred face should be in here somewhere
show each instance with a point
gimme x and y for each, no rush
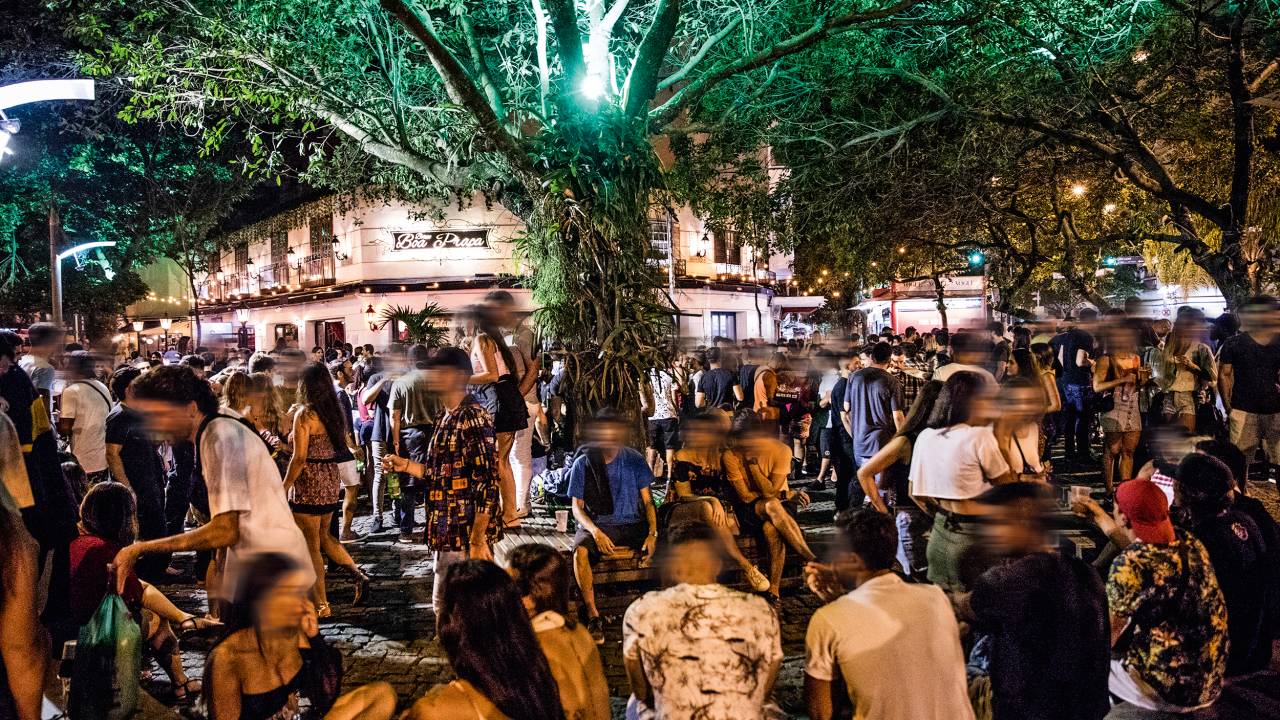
(5, 364)
(693, 560)
(170, 421)
(1006, 530)
(608, 434)
(699, 435)
(284, 606)
(1258, 319)
(445, 379)
(984, 407)
(1122, 339)
(1162, 327)
(1025, 404)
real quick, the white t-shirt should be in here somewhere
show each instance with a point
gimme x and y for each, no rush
(897, 646)
(946, 371)
(706, 650)
(825, 385)
(41, 372)
(662, 383)
(87, 402)
(955, 463)
(242, 477)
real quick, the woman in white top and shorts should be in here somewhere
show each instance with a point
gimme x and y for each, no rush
(954, 460)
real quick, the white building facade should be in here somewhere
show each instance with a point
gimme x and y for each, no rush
(321, 274)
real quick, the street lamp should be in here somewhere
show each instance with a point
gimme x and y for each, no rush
(165, 323)
(137, 331)
(55, 267)
(371, 317)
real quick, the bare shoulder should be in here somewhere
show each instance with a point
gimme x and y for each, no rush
(442, 702)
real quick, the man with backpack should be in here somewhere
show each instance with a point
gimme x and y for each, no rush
(249, 514)
(82, 416)
(609, 488)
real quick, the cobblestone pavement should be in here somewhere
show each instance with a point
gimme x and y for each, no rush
(393, 638)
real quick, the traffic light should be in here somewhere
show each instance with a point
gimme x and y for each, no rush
(976, 258)
(1110, 261)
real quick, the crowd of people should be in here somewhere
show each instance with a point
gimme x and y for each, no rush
(947, 591)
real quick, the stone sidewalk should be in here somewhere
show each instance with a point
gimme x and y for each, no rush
(393, 637)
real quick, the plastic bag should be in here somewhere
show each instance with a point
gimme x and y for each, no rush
(104, 682)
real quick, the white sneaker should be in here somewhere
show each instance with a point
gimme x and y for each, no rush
(757, 579)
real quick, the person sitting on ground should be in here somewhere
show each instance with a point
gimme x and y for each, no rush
(612, 503)
(1045, 612)
(758, 467)
(895, 645)
(500, 668)
(700, 490)
(272, 654)
(542, 576)
(108, 522)
(699, 649)
(1243, 563)
(1168, 616)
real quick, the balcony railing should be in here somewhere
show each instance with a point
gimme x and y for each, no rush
(313, 271)
(275, 275)
(318, 269)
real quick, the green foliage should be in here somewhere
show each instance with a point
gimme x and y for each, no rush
(589, 242)
(420, 327)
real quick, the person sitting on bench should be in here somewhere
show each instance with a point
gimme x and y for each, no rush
(609, 487)
(700, 492)
(758, 467)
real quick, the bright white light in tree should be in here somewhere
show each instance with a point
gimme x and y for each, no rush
(4, 143)
(1109, 208)
(593, 87)
(1079, 189)
(1140, 56)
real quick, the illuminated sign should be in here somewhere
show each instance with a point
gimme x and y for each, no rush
(440, 239)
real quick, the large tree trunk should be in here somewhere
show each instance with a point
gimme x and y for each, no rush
(940, 299)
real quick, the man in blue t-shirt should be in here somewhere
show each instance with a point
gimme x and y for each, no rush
(609, 487)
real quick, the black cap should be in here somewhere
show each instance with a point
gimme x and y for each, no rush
(450, 357)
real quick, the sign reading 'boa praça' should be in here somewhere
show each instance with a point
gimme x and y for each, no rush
(440, 239)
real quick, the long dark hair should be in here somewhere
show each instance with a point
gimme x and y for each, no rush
(110, 511)
(482, 323)
(317, 394)
(917, 418)
(542, 575)
(257, 579)
(485, 631)
(955, 404)
(1028, 365)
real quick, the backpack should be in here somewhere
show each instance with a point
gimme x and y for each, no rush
(552, 486)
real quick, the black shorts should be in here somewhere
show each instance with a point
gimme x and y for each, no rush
(829, 441)
(630, 536)
(664, 434)
(503, 401)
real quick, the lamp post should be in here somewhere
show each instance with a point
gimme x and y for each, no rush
(242, 314)
(165, 323)
(137, 331)
(56, 258)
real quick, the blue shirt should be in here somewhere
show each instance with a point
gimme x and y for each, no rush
(628, 475)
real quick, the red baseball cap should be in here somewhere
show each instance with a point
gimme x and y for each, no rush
(1147, 508)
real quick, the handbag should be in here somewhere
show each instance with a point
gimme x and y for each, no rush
(104, 679)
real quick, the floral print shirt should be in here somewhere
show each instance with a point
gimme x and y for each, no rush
(461, 477)
(1179, 619)
(706, 649)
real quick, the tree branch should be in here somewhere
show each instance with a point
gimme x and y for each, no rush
(460, 87)
(564, 19)
(819, 31)
(642, 81)
(476, 51)
(692, 63)
(544, 67)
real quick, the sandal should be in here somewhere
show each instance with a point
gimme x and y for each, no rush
(195, 626)
(361, 588)
(183, 690)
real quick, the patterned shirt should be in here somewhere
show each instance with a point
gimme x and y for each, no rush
(461, 477)
(1179, 642)
(706, 650)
